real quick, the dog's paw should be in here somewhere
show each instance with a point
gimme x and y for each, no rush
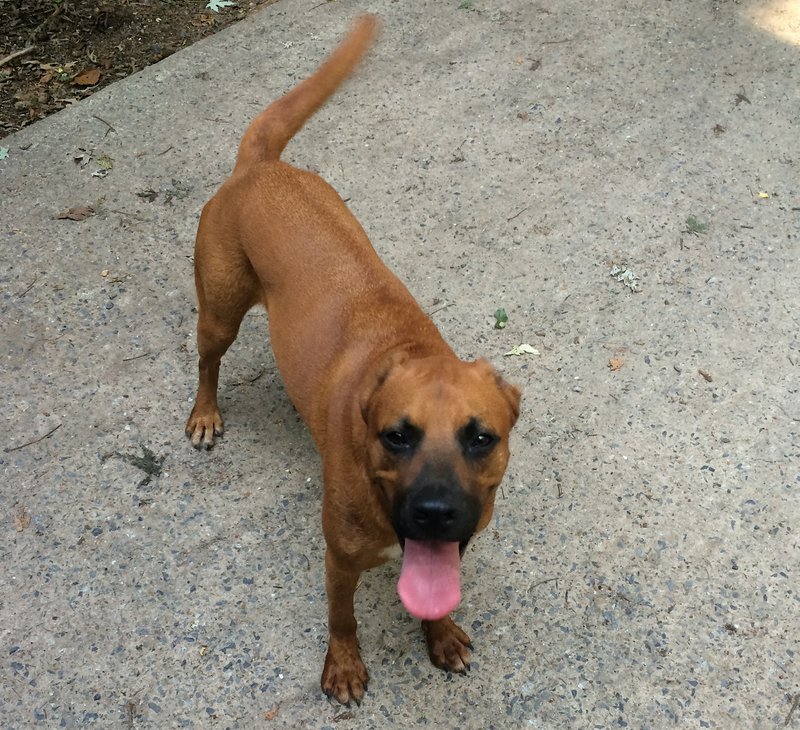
(202, 428)
(448, 646)
(344, 676)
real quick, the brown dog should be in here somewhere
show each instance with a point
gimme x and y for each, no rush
(414, 442)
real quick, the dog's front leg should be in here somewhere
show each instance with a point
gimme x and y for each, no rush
(344, 676)
(448, 646)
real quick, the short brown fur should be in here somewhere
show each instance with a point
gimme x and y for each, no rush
(355, 351)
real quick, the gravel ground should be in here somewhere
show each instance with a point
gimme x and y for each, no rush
(641, 569)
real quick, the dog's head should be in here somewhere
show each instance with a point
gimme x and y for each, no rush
(437, 450)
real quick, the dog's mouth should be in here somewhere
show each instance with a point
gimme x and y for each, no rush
(430, 579)
(462, 546)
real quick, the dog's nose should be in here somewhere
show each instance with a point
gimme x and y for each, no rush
(433, 514)
(437, 512)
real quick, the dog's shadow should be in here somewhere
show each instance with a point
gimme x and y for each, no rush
(253, 401)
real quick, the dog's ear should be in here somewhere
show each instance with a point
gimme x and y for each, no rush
(377, 379)
(511, 393)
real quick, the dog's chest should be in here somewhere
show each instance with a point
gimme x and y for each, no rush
(391, 553)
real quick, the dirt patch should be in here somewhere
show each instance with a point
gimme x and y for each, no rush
(56, 52)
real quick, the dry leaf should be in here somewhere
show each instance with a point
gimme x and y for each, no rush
(78, 213)
(89, 77)
(82, 157)
(523, 349)
(706, 375)
(22, 519)
(273, 713)
(615, 363)
(625, 276)
(148, 195)
(105, 161)
(57, 67)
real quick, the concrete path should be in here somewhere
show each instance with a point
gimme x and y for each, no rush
(643, 567)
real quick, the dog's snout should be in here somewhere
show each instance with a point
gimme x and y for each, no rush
(436, 512)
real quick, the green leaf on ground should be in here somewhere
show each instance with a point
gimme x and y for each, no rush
(695, 225)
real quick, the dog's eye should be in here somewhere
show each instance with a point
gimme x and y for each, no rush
(481, 442)
(401, 438)
(476, 439)
(395, 440)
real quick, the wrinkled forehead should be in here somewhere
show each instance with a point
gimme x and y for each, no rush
(442, 398)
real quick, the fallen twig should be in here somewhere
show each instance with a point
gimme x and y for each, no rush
(541, 583)
(110, 126)
(136, 357)
(792, 709)
(439, 309)
(49, 19)
(248, 382)
(789, 416)
(27, 288)
(563, 40)
(11, 56)
(9, 449)
(516, 215)
(127, 214)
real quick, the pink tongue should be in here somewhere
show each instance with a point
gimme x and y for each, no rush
(430, 579)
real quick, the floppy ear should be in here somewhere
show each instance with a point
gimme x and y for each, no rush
(511, 393)
(376, 379)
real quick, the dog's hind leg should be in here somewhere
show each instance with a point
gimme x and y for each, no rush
(226, 290)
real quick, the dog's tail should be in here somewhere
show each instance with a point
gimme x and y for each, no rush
(271, 130)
